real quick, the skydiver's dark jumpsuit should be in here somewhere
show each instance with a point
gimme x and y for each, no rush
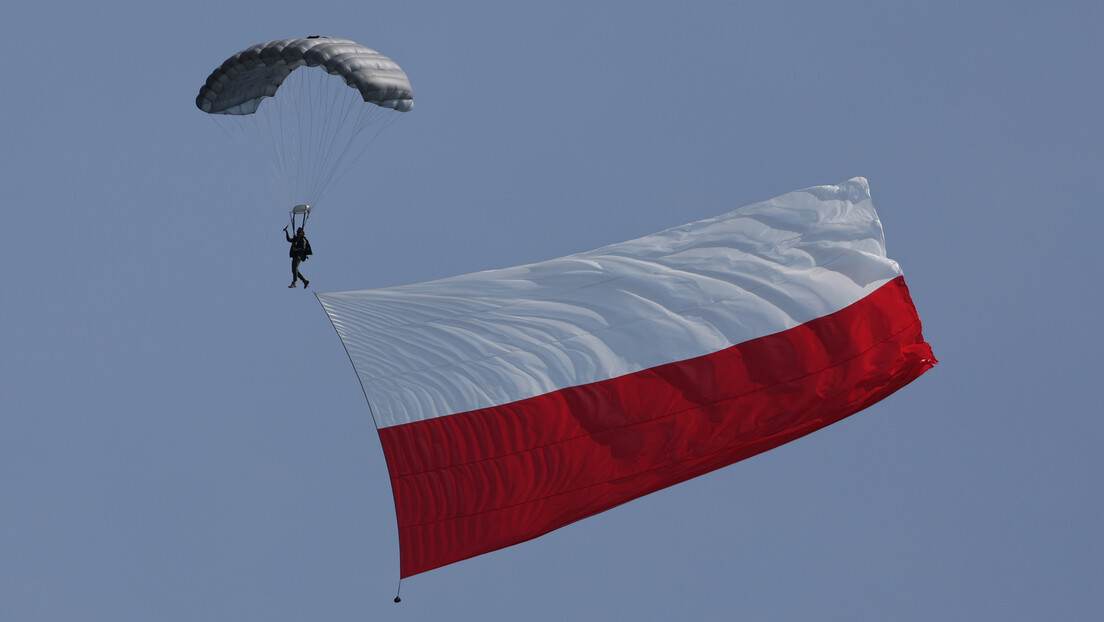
(300, 249)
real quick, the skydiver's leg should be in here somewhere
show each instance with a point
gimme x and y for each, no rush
(295, 276)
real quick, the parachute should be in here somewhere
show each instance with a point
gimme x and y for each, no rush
(309, 125)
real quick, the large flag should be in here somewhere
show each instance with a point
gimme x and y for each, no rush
(513, 402)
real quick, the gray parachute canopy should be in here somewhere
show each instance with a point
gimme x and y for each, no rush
(239, 84)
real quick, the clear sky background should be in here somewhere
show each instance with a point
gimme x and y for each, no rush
(183, 438)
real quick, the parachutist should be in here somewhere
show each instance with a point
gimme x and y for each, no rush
(300, 250)
(398, 600)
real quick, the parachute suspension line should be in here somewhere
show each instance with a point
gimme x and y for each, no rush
(300, 91)
(348, 116)
(398, 599)
(288, 127)
(368, 117)
(323, 126)
(336, 155)
(353, 103)
(314, 119)
(265, 132)
(246, 133)
(270, 130)
(275, 129)
(305, 114)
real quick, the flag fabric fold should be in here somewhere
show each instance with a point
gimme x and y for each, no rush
(513, 402)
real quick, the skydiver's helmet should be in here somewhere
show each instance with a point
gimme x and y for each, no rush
(300, 210)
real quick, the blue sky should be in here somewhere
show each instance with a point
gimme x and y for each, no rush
(183, 438)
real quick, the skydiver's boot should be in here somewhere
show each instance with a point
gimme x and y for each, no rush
(305, 283)
(292, 286)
